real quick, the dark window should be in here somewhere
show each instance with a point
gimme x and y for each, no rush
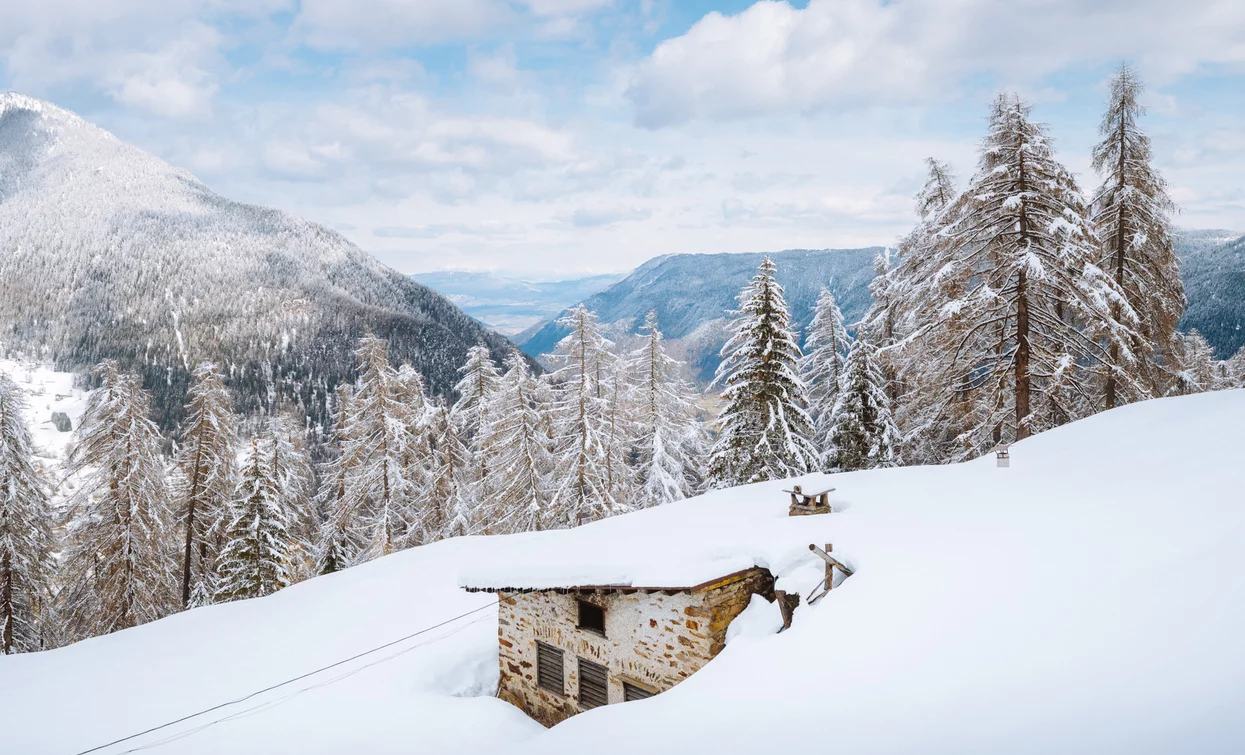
(549, 674)
(592, 618)
(593, 684)
(632, 692)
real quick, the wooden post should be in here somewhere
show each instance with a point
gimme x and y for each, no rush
(829, 569)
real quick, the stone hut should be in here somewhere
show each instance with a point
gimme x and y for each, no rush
(565, 650)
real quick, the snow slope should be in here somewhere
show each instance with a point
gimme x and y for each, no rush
(1087, 600)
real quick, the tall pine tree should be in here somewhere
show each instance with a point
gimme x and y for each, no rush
(670, 445)
(256, 558)
(581, 490)
(208, 474)
(863, 432)
(119, 565)
(519, 499)
(822, 368)
(26, 541)
(1131, 217)
(765, 428)
(1010, 290)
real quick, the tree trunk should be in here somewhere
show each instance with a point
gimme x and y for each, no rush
(6, 603)
(190, 524)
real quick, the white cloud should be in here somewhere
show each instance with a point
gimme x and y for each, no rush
(836, 54)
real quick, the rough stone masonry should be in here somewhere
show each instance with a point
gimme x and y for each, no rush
(652, 640)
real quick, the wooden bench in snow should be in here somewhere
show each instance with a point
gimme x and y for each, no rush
(807, 504)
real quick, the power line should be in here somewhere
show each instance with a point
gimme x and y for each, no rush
(270, 704)
(300, 677)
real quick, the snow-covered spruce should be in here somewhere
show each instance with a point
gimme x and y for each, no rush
(863, 434)
(522, 463)
(339, 537)
(765, 428)
(118, 567)
(1131, 218)
(207, 465)
(476, 388)
(670, 443)
(581, 490)
(822, 368)
(453, 507)
(256, 558)
(26, 540)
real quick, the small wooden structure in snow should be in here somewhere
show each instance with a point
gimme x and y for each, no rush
(1003, 455)
(564, 650)
(806, 504)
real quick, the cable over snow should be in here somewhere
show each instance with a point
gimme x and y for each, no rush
(1088, 599)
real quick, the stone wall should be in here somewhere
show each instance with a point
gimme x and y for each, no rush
(653, 641)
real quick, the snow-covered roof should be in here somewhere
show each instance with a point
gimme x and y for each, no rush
(631, 554)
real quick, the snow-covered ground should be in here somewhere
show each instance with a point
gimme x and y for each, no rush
(1089, 599)
(47, 392)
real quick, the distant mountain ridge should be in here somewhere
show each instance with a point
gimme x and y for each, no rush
(693, 293)
(108, 252)
(511, 305)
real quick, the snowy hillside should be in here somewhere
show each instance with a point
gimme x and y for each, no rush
(110, 252)
(1086, 600)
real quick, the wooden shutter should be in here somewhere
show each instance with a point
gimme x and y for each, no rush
(549, 674)
(632, 692)
(593, 684)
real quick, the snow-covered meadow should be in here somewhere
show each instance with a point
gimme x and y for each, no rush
(1087, 599)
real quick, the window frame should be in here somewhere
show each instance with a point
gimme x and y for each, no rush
(579, 617)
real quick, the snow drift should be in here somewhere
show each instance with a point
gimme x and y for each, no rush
(1086, 600)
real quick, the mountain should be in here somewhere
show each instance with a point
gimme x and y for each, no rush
(956, 634)
(109, 252)
(693, 294)
(1213, 268)
(510, 305)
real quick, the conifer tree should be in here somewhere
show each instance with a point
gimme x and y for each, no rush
(670, 445)
(1131, 214)
(1198, 371)
(765, 428)
(519, 498)
(863, 433)
(206, 464)
(26, 540)
(581, 490)
(1235, 369)
(1010, 289)
(453, 508)
(823, 365)
(380, 489)
(480, 381)
(119, 565)
(255, 559)
(295, 481)
(339, 537)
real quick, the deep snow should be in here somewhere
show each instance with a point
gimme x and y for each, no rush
(1087, 599)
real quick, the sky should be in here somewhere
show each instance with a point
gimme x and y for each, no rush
(550, 138)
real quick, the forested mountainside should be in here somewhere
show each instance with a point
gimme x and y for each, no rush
(511, 305)
(1213, 268)
(693, 294)
(108, 252)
